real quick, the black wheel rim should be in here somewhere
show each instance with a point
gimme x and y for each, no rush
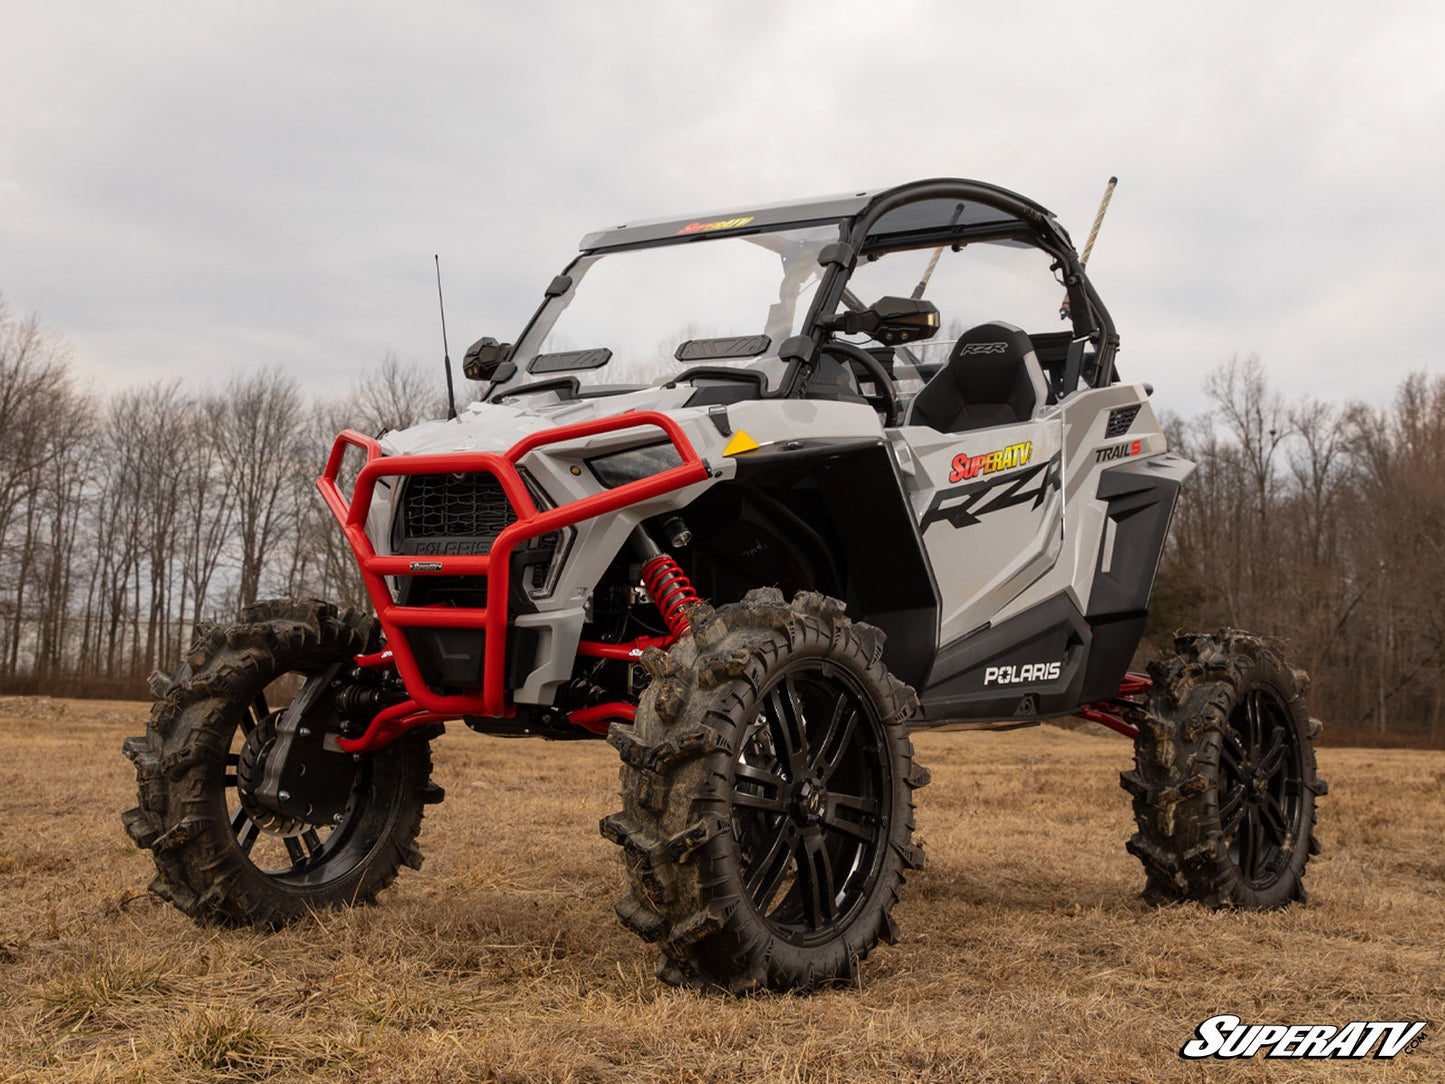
(299, 854)
(810, 802)
(1261, 789)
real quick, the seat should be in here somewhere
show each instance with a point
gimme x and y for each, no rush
(991, 378)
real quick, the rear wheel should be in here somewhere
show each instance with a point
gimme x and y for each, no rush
(766, 785)
(221, 854)
(1225, 783)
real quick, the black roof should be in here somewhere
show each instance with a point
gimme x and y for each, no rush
(972, 205)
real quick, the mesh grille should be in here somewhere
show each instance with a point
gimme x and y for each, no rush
(1119, 421)
(446, 505)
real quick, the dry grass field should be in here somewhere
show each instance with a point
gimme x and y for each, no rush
(1027, 955)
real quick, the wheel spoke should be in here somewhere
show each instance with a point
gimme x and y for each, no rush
(1274, 756)
(295, 850)
(743, 799)
(1270, 811)
(1251, 714)
(233, 760)
(1231, 811)
(843, 826)
(767, 872)
(237, 821)
(231, 780)
(789, 727)
(312, 842)
(258, 713)
(815, 871)
(1231, 752)
(836, 738)
(751, 773)
(249, 834)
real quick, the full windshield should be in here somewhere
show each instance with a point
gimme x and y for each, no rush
(645, 315)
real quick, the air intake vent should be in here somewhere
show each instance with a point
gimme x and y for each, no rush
(1120, 419)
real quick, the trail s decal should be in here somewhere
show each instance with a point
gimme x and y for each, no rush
(963, 505)
(967, 466)
(1118, 451)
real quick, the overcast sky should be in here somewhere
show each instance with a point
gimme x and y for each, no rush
(192, 189)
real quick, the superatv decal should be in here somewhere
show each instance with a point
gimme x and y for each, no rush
(1118, 451)
(972, 466)
(965, 504)
(1017, 675)
(722, 224)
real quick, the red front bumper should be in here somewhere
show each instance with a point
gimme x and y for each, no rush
(425, 705)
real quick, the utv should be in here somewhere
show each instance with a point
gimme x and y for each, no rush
(752, 495)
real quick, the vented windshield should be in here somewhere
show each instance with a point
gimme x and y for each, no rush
(645, 315)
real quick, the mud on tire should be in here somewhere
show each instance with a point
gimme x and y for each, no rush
(219, 862)
(1224, 782)
(767, 797)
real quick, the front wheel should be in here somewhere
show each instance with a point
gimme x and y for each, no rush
(221, 855)
(1224, 783)
(767, 791)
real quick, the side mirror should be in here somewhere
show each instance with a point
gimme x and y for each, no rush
(483, 357)
(891, 321)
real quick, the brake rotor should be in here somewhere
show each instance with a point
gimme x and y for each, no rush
(250, 771)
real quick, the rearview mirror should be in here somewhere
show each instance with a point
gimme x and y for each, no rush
(891, 321)
(483, 357)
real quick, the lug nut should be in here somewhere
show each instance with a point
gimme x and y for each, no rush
(304, 732)
(284, 795)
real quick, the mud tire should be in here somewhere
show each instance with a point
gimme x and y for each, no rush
(1224, 783)
(714, 792)
(187, 760)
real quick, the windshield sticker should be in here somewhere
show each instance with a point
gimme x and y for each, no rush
(975, 466)
(724, 224)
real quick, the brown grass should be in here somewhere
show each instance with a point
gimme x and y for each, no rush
(1027, 955)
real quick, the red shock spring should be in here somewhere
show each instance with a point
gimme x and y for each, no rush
(670, 590)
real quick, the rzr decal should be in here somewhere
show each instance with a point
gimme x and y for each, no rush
(722, 224)
(968, 503)
(967, 466)
(984, 348)
(1118, 451)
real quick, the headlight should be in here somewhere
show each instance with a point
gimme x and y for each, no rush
(620, 468)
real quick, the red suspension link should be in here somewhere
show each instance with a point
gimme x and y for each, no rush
(670, 590)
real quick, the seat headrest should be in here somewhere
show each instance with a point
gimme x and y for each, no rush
(986, 360)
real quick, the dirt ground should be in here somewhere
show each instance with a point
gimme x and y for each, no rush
(1026, 953)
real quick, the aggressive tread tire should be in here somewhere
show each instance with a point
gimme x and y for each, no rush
(767, 797)
(1225, 782)
(186, 761)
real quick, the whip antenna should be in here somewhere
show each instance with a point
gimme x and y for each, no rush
(1093, 236)
(446, 351)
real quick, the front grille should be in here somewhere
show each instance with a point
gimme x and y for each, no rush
(470, 506)
(461, 514)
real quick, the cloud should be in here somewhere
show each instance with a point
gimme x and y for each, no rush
(210, 188)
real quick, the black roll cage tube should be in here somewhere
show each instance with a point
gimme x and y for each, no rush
(1090, 319)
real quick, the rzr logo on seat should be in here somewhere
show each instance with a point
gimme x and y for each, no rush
(984, 348)
(1017, 675)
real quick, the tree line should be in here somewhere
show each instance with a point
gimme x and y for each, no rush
(128, 518)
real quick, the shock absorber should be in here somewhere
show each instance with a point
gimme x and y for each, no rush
(667, 585)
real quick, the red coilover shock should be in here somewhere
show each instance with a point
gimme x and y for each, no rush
(670, 590)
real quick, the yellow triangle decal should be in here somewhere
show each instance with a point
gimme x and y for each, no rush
(741, 442)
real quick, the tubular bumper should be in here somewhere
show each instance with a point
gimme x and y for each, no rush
(426, 705)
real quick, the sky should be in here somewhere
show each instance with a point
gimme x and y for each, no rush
(195, 190)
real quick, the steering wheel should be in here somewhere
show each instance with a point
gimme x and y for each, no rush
(886, 401)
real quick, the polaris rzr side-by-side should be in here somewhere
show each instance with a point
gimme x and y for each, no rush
(752, 495)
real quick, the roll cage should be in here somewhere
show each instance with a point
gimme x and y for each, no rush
(940, 212)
